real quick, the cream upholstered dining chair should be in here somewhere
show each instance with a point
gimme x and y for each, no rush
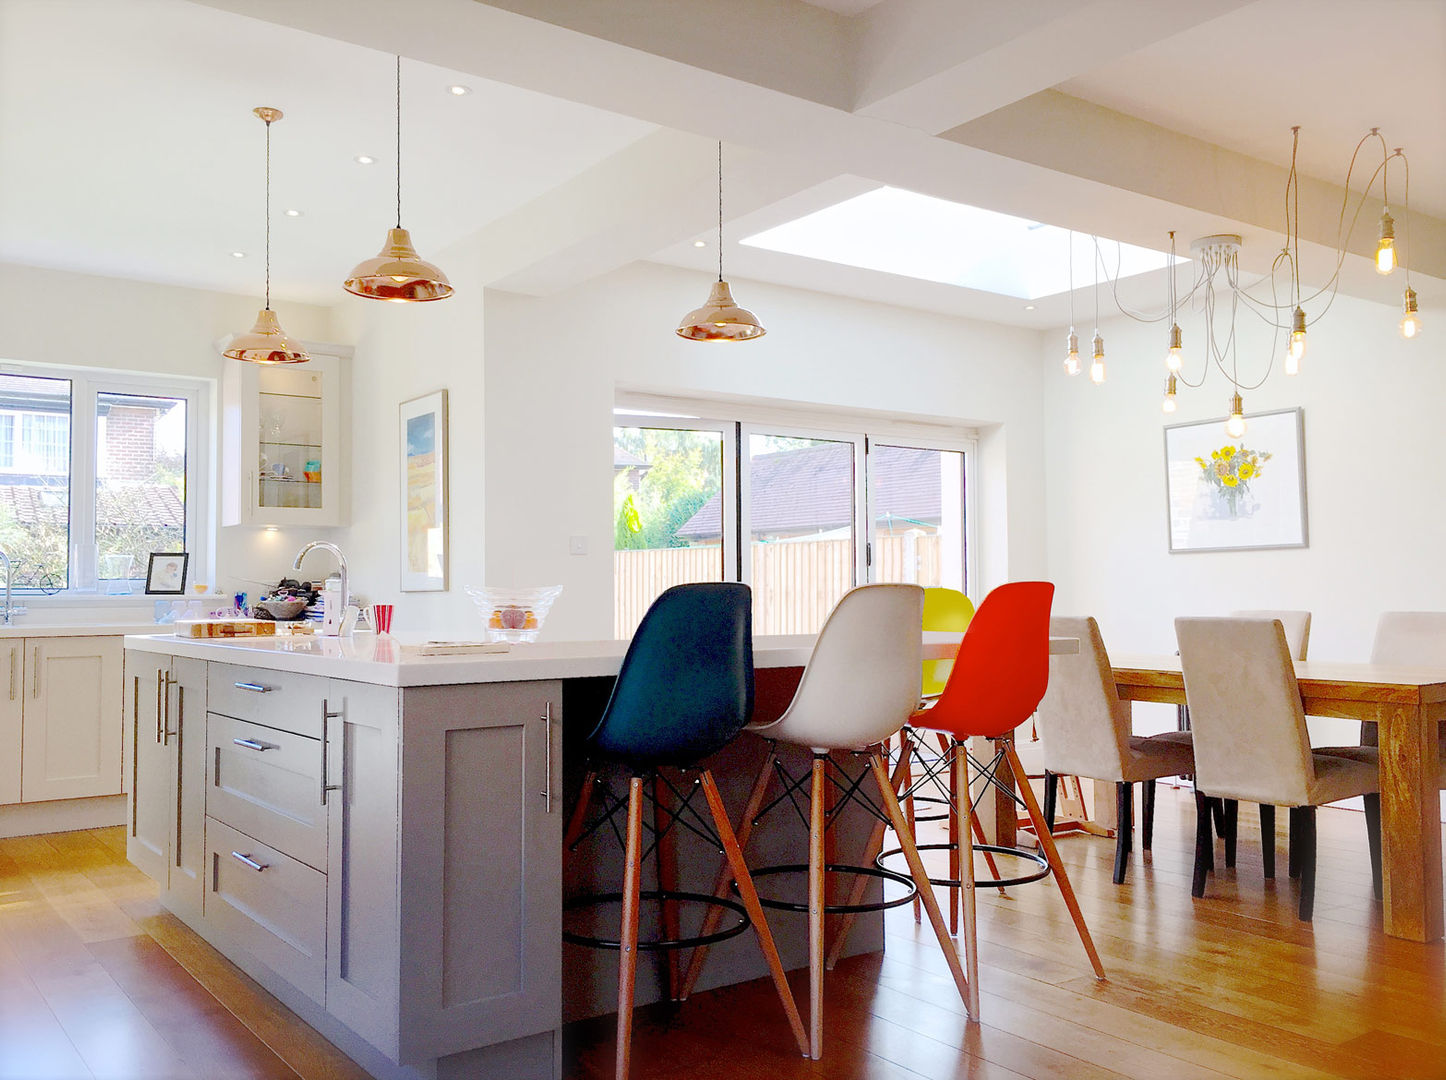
(1296, 625)
(1251, 743)
(1086, 732)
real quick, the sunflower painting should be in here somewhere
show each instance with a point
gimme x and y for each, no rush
(1229, 472)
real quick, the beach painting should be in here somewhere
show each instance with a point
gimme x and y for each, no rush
(424, 493)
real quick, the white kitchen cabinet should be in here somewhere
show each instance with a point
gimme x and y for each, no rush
(165, 713)
(12, 708)
(281, 450)
(71, 724)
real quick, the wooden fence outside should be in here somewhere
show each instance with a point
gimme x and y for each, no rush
(795, 585)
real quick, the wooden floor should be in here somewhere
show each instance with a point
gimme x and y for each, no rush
(97, 981)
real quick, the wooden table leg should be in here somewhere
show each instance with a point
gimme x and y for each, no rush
(1410, 823)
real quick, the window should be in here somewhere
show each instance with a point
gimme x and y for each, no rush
(819, 510)
(96, 472)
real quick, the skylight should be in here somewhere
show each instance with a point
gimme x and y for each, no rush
(918, 236)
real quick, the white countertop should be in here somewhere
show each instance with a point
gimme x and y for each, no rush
(389, 661)
(22, 627)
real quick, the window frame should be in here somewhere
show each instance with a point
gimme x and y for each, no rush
(86, 385)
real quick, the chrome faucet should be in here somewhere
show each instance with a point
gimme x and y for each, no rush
(8, 609)
(341, 562)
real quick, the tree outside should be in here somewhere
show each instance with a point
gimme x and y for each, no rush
(662, 476)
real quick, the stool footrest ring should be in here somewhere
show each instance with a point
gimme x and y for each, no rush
(660, 944)
(881, 872)
(988, 882)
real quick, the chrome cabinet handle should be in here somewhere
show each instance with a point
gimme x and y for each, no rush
(160, 697)
(166, 685)
(248, 861)
(252, 744)
(13, 650)
(326, 717)
(35, 685)
(547, 756)
(254, 687)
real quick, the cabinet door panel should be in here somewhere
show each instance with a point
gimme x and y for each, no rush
(12, 654)
(481, 866)
(72, 727)
(186, 736)
(148, 822)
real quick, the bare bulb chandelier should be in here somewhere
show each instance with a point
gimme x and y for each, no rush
(1217, 284)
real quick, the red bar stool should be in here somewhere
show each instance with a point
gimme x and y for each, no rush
(998, 680)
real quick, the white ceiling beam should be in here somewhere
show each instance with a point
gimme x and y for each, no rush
(1068, 135)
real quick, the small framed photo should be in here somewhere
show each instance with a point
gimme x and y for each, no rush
(166, 574)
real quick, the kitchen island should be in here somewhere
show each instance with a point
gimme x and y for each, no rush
(376, 835)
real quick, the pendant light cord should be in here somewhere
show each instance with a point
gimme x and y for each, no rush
(399, 140)
(268, 215)
(720, 209)
(1071, 281)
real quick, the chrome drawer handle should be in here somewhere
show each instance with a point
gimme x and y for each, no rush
(254, 687)
(258, 867)
(252, 744)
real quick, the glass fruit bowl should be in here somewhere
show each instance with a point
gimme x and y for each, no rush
(513, 614)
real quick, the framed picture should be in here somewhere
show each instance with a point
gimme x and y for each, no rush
(424, 493)
(1229, 494)
(166, 574)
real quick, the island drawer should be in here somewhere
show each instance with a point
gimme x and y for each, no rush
(268, 904)
(278, 699)
(267, 783)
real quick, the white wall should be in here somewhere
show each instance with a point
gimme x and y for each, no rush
(58, 318)
(553, 366)
(1377, 518)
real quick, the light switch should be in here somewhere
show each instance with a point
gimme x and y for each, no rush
(577, 545)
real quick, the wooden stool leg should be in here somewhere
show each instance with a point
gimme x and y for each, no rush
(861, 881)
(579, 812)
(958, 841)
(1204, 845)
(1051, 853)
(906, 755)
(665, 852)
(815, 908)
(733, 851)
(1124, 828)
(628, 955)
(1147, 814)
(977, 827)
(1307, 863)
(1373, 838)
(1267, 839)
(971, 923)
(725, 875)
(921, 879)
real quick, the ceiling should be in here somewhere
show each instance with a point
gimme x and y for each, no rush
(127, 146)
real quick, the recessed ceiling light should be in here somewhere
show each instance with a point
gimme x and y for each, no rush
(1028, 307)
(700, 243)
(293, 213)
(458, 91)
(238, 254)
(365, 159)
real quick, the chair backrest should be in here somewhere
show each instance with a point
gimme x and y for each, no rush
(862, 681)
(1410, 639)
(946, 610)
(1084, 724)
(1295, 623)
(1002, 667)
(1246, 716)
(686, 685)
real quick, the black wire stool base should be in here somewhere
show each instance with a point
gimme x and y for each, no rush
(659, 944)
(988, 882)
(881, 872)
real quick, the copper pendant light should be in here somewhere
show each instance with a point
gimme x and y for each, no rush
(720, 319)
(398, 273)
(266, 342)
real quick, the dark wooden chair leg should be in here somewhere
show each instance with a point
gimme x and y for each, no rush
(1124, 828)
(1232, 823)
(1267, 839)
(1373, 839)
(1204, 845)
(1218, 810)
(1307, 863)
(1147, 814)
(1294, 817)
(1051, 797)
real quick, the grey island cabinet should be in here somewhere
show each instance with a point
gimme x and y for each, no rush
(376, 836)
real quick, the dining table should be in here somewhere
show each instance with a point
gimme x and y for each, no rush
(1407, 706)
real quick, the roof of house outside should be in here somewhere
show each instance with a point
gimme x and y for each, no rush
(129, 504)
(811, 490)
